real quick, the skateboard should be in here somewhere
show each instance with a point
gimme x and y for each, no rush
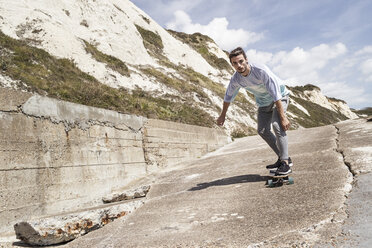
(277, 181)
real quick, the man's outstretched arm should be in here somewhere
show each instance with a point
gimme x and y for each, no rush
(221, 118)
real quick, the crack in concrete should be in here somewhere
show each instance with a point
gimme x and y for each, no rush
(10, 111)
(339, 150)
(145, 150)
(337, 217)
(70, 166)
(347, 189)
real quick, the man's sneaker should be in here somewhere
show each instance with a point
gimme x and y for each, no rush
(273, 166)
(277, 164)
(283, 169)
(290, 163)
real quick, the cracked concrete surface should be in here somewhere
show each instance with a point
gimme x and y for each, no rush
(217, 200)
(221, 199)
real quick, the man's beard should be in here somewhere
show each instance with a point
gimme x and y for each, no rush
(242, 70)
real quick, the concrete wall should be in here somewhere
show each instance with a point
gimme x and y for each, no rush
(170, 143)
(58, 156)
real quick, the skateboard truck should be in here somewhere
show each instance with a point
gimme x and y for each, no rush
(277, 181)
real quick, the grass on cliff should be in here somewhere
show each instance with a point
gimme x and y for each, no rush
(243, 131)
(61, 79)
(199, 43)
(310, 87)
(152, 41)
(319, 116)
(182, 86)
(307, 87)
(110, 61)
(365, 111)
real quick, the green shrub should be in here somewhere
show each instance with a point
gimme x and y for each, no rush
(199, 42)
(243, 132)
(306, 87)
(151, 41)
(365, 111)
(112, 62)
(238, 133)
(319, 116)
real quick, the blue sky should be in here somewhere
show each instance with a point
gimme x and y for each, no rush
(327, 43)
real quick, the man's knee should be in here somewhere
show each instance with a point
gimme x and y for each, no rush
(278, 129)
(263, 132)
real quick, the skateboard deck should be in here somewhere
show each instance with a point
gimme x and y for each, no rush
(277, 181)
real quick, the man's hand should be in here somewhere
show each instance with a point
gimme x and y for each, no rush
(221, 120)
(285, 123)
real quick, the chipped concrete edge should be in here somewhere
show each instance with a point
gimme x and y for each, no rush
(67, 227)
(77, 115)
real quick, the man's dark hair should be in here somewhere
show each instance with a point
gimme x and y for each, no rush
(237, 51)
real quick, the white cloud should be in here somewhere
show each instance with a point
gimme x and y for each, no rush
(299, 66)
(366, 68)
(353, 95)
(364, 50)
(259, 57)
(217, 29)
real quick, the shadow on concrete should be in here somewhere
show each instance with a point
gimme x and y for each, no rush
(22, 244)
(231, 180)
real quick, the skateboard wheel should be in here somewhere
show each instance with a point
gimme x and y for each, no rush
(270, 183)
(290, 180)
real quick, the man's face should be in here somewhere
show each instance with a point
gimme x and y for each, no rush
(239, 63)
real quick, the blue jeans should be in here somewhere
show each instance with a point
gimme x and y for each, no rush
(268, 116)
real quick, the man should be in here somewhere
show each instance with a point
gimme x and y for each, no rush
(272, 98)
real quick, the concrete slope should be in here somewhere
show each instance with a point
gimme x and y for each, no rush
(221, 200)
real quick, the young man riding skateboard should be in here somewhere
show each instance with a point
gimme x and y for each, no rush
(272, 98)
